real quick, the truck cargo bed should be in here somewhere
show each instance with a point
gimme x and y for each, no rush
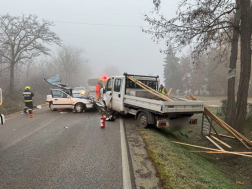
(161, 106)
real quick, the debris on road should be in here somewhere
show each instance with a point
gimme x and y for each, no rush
(63, 112)
(110, 118)
(238, 182)
(66, 127)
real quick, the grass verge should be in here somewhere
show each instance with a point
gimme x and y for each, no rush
(179, 168)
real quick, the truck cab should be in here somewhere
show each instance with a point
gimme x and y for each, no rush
(2, 118)
(115, 91)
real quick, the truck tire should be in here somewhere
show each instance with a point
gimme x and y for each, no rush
(79, 107)
(142, 120)
(50, 106)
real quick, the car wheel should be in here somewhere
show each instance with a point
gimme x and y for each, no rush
(142, 120)
(79, 108)
(50, 106)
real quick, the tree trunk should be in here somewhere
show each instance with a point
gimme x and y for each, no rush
(242, 95)
(232, 71)
(12, 77)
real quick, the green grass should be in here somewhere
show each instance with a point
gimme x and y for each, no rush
(179, 168)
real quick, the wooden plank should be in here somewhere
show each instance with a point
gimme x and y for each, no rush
(224, 135)
(149, 89)
(227, 127)
(169, 91)
(196, 146)
(239, 134)
(221, 141)
(214, 143)
(192, 96)
(212, 126)
(188, 97)
(212, 149)
(210, 114)
(215, 152)
(234, 131)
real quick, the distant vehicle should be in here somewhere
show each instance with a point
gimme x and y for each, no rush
(80, 91)
(93, 82)
(2, 118)
(61, 100)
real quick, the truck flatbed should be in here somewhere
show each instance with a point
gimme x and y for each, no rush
(182, 106)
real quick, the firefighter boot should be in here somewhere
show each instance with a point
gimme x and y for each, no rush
(25, 110)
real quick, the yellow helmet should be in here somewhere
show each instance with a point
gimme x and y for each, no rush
(27, 88)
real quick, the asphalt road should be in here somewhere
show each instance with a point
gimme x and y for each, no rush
(42, 153)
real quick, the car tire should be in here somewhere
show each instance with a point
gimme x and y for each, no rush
(142, 120)
(50, 106)
(79, 107)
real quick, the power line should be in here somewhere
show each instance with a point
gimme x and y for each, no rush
(92, 24)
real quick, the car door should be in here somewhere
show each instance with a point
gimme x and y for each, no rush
(108, 93)
(116, 95)
(61, 100)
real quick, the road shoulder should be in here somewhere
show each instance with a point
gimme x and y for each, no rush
(143, 169)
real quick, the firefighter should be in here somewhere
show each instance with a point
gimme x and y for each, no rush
(97, 90)
(164, 91)
(28, 100)
(161, 88)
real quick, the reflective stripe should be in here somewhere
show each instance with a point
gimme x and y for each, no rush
(30, 109)
(25, 107)
(27, 93)
(28, 100)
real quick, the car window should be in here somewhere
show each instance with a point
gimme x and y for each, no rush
(58, 94)
(109, 85)
(117, 85)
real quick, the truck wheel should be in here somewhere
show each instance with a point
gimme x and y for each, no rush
(142, 120)
(79, 108)
(50, 106)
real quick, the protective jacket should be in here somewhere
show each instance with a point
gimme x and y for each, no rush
(164, 91)
(28, 96)
(97, 90)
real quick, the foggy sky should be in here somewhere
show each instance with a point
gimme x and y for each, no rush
(128, 48)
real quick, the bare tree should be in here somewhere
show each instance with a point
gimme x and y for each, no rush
(242, 95)
(207, 25)
(203, 25)
(69, 62)
(23, 38)
(232, 67)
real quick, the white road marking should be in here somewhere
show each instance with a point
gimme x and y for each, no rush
(125, 161)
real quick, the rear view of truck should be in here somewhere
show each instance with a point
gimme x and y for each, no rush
(2, 118)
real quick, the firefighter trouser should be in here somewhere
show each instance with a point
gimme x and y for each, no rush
(29, 106)
(97, 94)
